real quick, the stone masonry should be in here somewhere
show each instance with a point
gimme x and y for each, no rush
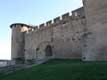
(81, 35)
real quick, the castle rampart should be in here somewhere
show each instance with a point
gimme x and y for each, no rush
(81, 35)
(59, 34)
(63, 35)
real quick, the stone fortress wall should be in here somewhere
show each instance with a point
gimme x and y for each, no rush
(63, 36)
(76, 36)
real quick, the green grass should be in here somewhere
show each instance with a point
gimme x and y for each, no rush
(61, 70)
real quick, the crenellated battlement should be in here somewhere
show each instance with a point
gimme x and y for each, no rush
(57, 20)
(78, 13)
(41, 26)
(49, 23)
(75, 15)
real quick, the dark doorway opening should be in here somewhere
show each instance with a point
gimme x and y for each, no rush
(48, 50)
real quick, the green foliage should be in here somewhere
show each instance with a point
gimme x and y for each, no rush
(61, 70)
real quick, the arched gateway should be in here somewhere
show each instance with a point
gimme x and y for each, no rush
(43, 51)
(48, 50)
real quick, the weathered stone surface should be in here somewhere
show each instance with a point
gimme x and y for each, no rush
(81, 35)
(96, 16)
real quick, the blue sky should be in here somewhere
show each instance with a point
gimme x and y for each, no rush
(32, 12)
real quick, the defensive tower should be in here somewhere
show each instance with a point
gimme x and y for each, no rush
(18, 42)
(96, 41)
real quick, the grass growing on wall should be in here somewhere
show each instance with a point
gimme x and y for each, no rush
(61, 70)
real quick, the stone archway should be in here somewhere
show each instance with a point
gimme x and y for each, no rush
(43, 51)
(48, 50)
(40, 54)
